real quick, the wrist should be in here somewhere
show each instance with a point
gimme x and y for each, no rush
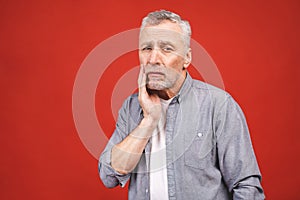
(149, 122)
(145, 129)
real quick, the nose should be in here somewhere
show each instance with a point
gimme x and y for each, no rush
(155, 57)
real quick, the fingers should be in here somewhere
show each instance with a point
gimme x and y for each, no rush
(142, 79)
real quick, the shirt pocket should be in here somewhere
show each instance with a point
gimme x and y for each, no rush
(198, 153)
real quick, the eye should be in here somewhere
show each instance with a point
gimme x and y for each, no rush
(168, 49)
(147, 48)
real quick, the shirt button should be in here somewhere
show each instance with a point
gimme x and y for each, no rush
(146, 190)
(200, 134)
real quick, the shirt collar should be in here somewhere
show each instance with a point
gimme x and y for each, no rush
(184, 88)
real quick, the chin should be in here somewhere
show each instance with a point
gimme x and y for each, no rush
(155, 85)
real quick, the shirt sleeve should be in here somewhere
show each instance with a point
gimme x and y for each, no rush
(236, 156)
(110, 177)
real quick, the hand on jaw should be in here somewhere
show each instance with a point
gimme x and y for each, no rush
(150, 103)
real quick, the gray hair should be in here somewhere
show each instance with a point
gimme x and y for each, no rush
(156, 17)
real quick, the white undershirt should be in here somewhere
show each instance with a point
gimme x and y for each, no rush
(158, 169)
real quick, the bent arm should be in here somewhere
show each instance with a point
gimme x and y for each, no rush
(125, 147)
(127, 153)
(122, 155)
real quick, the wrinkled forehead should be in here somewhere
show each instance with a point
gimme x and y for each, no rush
(168, 32)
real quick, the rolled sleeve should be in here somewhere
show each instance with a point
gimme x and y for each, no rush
(248, 188)
(110, 177)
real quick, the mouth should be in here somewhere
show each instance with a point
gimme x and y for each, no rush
(155, 74)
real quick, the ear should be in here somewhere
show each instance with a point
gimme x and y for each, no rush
(188, 58)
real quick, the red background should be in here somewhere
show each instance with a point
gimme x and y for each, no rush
(255, 45)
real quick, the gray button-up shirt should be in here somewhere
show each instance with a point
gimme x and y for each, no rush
(208, 148)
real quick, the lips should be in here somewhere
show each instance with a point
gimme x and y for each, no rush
(155, 74)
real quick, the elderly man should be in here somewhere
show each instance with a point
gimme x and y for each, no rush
(178, 138)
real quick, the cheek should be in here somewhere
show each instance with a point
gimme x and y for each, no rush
(176, 63)
(174, 71)
(143, 58)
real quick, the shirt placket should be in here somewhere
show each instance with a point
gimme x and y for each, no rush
(170, 125)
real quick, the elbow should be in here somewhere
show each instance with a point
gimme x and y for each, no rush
(108, 183)
(107, 180)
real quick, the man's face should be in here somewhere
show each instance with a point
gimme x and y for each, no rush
(163, 54)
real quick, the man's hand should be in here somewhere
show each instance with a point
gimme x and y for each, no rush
(150, 103)
(127, 153)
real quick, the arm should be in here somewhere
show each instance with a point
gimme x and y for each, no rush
(127, 153)
(121, 155)
(123, 152)
(236, 155)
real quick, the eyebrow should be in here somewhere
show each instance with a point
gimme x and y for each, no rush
(161, 43)
(146, 43)
(165, 43)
